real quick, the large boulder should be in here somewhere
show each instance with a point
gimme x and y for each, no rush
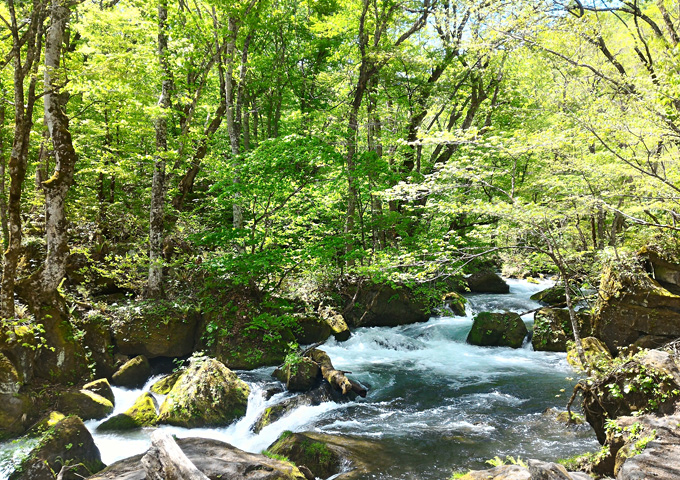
(66, 443)
(535, 470)
(647, 383)
(133, 373)
(497, 330)
(84, 403)
(95, 331)
(165, 384)
(16, 411)
(552, 329)
(299, 376)
(156, 329)
(141, 414)
(631, 305)
(312, 453)
(487, 282)
(207, 394)
(455, 302)
(215, 459)
(311, 329)
(371, 305)
(553, 296)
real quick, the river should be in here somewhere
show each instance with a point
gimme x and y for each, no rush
(435, 404)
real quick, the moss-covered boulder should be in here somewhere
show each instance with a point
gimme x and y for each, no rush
(487, 282)
(16, 411)
(141, 414)
(101, 387)
(311, 329)
(552, 329)
(456, 303)
(335, 322)
(649, 382)
(10, 381)
(314, 454)
(553, 296)
(631, 304)
(596, 353)
(368, 305)
(300, 376)
(133, 373)
(497, 330)
(156, 329)
(165, 384)
(66, 443)
(207, 394)
(84, 403)
(44, 424)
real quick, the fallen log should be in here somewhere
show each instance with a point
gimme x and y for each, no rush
(166, 461)
(336, 378)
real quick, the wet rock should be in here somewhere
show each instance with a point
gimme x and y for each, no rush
(101, 387)
(66, 443)
(596, 353)
(536, 470)
(487, 282)
(497, 330)
(141, 414)
(133, 373)
(158, 329)
(646, 383)
(632, 305)
(84, 403)
(206, 394)
(456, 303)
(552, 329)
(370, 305)
(311, 329)
(217, 460)
(338, 326)
(165, 384)
(323, 393)
(299, 377)
(303, 450)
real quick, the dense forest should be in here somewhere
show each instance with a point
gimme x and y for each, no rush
(253, 161)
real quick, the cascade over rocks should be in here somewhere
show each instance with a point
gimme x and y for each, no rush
(215, 459)
(370, 305)
(206, 394)
(632, 305)
(141, 414)
(133, 373)
(66, 443)
(487, 282)
(497, 330)
(155, 329)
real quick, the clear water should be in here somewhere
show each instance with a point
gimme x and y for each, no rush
(435, 404)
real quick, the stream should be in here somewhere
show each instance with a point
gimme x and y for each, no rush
(435, 404)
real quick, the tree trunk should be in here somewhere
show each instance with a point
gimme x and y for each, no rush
(166, 461)
(154, 286)
(3, 166)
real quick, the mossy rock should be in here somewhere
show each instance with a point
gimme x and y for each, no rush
(339, 328)
(487, 282)
(156, 329)
(497, 330)
(456, 302)
(45, 423)
(300, 377)
(165, 384)
(15, 412)
(133, 373)
(84, 403)
(302, 450)
(10, 381)
(596, 353)
(552, 329)
(310, 330)
(95, 328)
(207, 394)
(68, 442)
(101, 387)
(553, 296)
(141, 414)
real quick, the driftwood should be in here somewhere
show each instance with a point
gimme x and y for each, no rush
(336, 378)
(166, 461)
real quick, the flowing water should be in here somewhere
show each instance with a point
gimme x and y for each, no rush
(435, 404)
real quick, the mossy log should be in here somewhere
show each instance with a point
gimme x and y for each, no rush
(336, 378)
